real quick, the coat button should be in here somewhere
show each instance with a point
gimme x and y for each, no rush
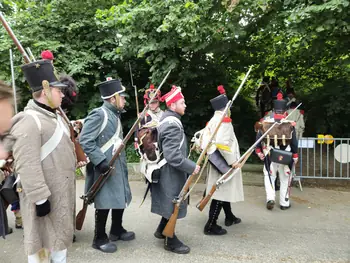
(19, 190)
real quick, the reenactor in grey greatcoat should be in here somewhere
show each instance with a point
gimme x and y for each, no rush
(100, 138)
(173, 174)
(45, 163)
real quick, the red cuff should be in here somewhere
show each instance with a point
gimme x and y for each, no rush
(258, 150)
(295, 155)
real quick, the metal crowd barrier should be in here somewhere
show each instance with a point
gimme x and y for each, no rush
(324, 158)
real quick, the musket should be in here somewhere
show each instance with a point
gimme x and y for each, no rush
(135, 89)
(78, 150)
(257, 128)
(13, 82)
(290, 181)
(170, 227)
(88, 198)
(233, 99)
(267, 164)
(30, 53)
(14, 38)
(237, 165)
(81, 157)
(137, 110)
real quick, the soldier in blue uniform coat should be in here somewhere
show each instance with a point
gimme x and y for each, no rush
(100, 138)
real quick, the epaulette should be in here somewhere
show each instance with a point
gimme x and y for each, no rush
(227, 120)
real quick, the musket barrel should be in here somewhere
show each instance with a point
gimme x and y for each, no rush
(14, 38)
(170, 227)
(98, 184)
(244, 157)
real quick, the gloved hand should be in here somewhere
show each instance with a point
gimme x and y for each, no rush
(43, 209)
(261, 156)
(103, 166)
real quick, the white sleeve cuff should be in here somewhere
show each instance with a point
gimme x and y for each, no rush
(41, 202)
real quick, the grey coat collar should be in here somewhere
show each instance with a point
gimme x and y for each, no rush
(33, 106)
(112, 108)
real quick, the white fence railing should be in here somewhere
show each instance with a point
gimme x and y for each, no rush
(324, 158)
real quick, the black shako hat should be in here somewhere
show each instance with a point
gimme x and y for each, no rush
(110, 88)
(219, 102)
(38, 71)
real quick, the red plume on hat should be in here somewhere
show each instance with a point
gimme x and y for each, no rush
(221, 89)
(47, 54)
(279, 96)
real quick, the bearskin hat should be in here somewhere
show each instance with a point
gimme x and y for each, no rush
(151, 93)
(70, 92)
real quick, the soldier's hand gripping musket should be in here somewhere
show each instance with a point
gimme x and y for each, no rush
(88, 198)
(170, 227)
(237, 165)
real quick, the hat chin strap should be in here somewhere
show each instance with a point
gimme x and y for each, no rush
(47, 89)
(117, 101)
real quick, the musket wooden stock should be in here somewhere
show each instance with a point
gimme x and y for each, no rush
(206, 199)
(79, 220)
(241, 161)
(81, 157)
(238, 165)
(101, 180)
(171, 229)
(170, 226)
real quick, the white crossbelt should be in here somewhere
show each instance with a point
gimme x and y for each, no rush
(114, 140)
(105, 120)
(173, 119)
(56, 137)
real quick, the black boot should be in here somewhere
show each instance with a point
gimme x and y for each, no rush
(158, 234)
(117, 230)
(101, 241)
(211, 228)
(230, 218)
(8, 230)
(285, 207)
(175, 245)
(270, 204)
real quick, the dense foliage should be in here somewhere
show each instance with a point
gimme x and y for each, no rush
(205, 43)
